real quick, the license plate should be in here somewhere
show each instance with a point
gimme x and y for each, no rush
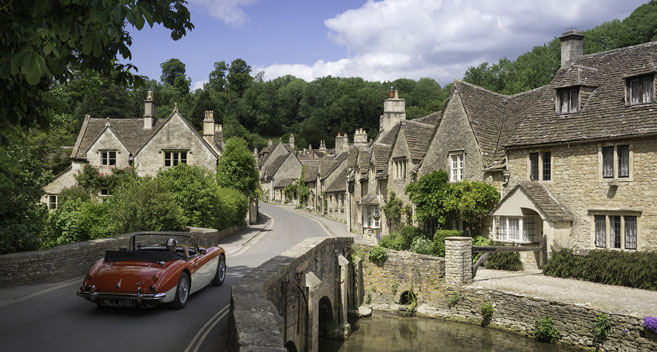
(118, 302)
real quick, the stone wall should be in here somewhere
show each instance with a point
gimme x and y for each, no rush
(268, 305)
(384, 283)
(73, 260)
(578, 185)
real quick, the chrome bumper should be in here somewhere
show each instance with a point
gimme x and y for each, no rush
(138, 297)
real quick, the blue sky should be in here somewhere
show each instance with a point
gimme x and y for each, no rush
(376, 40)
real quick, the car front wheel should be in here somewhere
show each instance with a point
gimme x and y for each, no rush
(221, 272)
(182, 292)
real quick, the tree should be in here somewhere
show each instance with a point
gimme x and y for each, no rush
(470, 202)
(427, 194)
(217, 78)
(237, 168)
(239, 76)
(43, 41)
(393, 210)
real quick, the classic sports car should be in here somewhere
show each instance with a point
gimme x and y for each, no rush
(158, 267)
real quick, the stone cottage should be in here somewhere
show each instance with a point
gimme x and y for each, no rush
(581, 153)
(148, 144)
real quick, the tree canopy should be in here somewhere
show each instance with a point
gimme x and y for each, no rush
(237, 167)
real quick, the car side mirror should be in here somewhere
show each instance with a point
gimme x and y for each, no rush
(202, 250)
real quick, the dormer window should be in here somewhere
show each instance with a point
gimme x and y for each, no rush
(638, 90)
(567, 100)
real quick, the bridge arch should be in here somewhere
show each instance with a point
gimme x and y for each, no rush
(328, 324)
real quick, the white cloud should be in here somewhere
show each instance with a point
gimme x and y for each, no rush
(228, 11)
(198, 84)
(390, 39)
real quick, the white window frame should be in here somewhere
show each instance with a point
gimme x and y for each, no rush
(609, 242)
(615, 163)
(456, 166)
(502, 227)
(173, 157)
(106, 158)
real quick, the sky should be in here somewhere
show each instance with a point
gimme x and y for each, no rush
(376, 40)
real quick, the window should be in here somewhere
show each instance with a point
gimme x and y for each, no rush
(108, 157)
(172, 158)
(615, 161)
(567, 100)
(400, 169)
(104, 193)
(540, 166)
(638, 90)
(518, 229)
(622, 231)
(456, 168)
(52, 201)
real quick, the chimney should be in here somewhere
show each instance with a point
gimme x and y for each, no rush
(322, 146)
(255, 152)
(394, 111)
(291, 141)
(360, 138)
(269, 142)
(208, 127)
(149, 111)
(219, 136)
(572, 47)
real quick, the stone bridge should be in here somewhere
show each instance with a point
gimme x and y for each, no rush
(287, 303)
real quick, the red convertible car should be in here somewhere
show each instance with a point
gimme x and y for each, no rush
(158, 267)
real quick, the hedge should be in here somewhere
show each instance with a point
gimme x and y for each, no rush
(636, 269)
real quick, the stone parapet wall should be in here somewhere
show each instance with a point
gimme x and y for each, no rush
(458, 260)
(266, 304)
(73, 260)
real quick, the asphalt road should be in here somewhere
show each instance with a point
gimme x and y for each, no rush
(52, 318)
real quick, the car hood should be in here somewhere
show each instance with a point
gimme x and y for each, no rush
(125, 277)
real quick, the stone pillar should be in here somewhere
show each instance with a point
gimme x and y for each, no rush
(312, 285)
(458, 260)
(344, 299)
(360, 286)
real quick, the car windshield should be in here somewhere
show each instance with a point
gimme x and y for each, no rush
(178, 243)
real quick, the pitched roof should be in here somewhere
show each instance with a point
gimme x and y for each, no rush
(418, 137)
(432, 119)
(364, 160)
(603, 113)
(543, 199)
(312, 167)
(284, 182)
(381, 153)
(131, 132)
(339, 184)
(337, 161)
(486, 112)
(352, 161)
(276, 164)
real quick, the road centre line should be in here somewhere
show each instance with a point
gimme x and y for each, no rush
(207, 327)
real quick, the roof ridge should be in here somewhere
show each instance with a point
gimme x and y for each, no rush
(612, 51)
(480, 88)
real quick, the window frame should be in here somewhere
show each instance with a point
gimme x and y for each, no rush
(106, 158)
(619, 231)
(540, 166)
(174, 157)
(615, 162)
(502, 228)
(629, 90)
(50, 201)
(459, 168)
(569, 92)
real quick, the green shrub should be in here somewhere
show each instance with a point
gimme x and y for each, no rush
(504, 261)
(601, 327)
(394, 241)
(378, 255)
(439, 240)
(422, 245)
(234, 206)
(410, 233)
(625, 268)
(486, 313)
(545, 331)
(453, 300)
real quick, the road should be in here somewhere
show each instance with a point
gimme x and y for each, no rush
(52, 318)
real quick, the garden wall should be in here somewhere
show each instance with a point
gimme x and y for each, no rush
(384, 285)
(73, 260)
